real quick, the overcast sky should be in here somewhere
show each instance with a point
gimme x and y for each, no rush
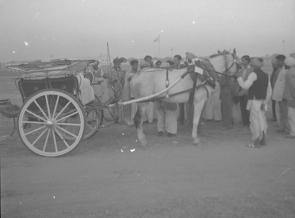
(38, 29)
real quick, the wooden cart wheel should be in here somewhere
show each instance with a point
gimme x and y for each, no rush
(51, 123)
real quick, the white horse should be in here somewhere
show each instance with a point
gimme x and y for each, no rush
(153, 80)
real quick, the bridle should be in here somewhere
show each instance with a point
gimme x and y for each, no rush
(227, 69)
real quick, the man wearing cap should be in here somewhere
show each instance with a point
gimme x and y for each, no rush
(278, 91)
(167, 113)
(289, 94)
(259, 94)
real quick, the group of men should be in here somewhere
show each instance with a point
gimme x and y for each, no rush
(252, 88)
(167, 114)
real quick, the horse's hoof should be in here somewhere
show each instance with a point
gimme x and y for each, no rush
(143, 142)
(196, 142)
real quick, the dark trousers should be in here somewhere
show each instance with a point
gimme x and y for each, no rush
(226, 109)
(273, 105)
(284, 125)
(244, 112)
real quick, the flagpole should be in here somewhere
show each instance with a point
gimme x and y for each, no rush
(109, 57)
(159, 45)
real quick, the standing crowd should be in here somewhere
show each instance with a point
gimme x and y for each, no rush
(243, 98)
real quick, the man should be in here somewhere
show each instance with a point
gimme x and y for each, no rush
(259, 94)
(246, 70)
(273, 79)
(177, 65)
(167, 113)
(289, 94)
(177, 62)
(278, 90)
(158, 63)
(130, 110)
(227, 93)
(148, 61)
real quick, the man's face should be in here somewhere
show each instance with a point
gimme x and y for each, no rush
(149, 60)
(244, 62)
(256, 63)
(280, 63)
(134, 67)
(176, 60)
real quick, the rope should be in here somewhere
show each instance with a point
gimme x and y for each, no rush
(153, 96)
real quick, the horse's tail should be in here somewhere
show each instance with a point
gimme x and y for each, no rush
(137, 118)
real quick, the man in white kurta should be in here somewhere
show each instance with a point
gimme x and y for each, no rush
(259, 94)
(277, 95)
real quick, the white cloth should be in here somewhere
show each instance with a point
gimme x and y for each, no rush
(279, 86)
(246, 84)
(86, 90)
(166, 119)
(212, 110)
(258, 124)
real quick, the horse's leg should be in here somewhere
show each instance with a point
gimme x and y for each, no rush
(199, 102)
(138, 121)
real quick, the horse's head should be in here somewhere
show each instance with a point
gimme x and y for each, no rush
(225, 62)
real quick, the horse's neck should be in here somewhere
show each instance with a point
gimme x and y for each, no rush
(218, 63)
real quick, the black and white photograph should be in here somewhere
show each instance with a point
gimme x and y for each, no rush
(147, 108)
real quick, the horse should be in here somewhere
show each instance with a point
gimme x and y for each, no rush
(150, 81)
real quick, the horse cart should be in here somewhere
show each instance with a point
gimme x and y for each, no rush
(57, 113)
(54, 117)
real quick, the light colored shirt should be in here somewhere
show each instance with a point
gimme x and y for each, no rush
(246, 84)
(279, 86)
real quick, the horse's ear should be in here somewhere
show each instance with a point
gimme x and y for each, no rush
(235, 52)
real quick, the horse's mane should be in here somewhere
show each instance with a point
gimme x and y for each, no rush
(224, 52)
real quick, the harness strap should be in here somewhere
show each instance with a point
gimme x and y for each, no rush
(192, 94)
(167, 82)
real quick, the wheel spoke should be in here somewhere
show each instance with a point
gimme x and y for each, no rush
(68, 132)
(54, 140)
(42, 111)
(47, 105)
(35, 130)
(62, 110)
(41, 134)
(35, 115)
(61, 136)
(69, 124)
(69, 115)
(46, 140)
(33, 122)
(56, 103)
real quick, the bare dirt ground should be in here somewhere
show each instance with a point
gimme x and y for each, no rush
(171, 178)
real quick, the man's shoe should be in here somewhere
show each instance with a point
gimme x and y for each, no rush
(160, 133)
(170, 134)
(263, 140)
(290, 136)
(254, 144)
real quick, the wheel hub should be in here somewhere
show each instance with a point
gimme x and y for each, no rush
(50, 123)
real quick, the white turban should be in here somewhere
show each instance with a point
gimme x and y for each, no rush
(290, 61)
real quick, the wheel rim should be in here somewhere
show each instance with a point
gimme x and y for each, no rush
(51, 123)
